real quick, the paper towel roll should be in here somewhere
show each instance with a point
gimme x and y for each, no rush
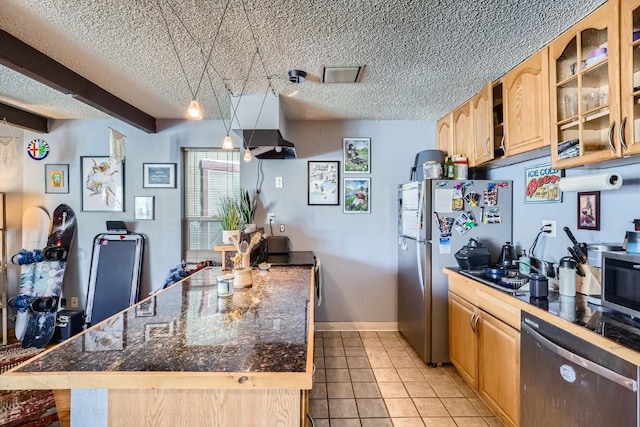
(597, 182)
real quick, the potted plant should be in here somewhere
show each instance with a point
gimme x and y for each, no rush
(247, 211)
(229, 214)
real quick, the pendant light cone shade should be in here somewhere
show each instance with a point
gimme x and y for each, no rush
(247, 155)
(227, 144)
(193, 111)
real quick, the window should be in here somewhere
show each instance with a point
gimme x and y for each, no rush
(209, 175)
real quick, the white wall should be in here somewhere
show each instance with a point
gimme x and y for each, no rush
(617, 208)
(358, 252)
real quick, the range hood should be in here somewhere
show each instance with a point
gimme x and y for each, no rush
(260, 121)
(268, 144)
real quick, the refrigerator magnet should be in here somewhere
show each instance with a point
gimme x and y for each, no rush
(457, 200)
(492, 216)
(491, 195)
(465, 222)
(445, 243)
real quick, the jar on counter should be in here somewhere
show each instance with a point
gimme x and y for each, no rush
(461, 167)
(567, 277)
(225, 285)
(432, 170)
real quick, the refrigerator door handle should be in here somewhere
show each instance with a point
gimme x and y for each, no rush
(420, 260)
(423, 189)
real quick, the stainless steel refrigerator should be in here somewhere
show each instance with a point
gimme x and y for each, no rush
(430, 232)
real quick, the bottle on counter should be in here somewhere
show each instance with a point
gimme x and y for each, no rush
(567, 277)
(524, 263)
(448, 168)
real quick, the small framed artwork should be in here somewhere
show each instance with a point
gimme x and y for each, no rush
(323, 183)
(159, 175)
(144, 207)
(56, 178)
(542, 184)
(102, 184)
(589, 210)
(357, 155)
(357, 195)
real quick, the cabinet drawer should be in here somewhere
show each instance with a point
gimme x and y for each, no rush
(499, 309)
(464, 288)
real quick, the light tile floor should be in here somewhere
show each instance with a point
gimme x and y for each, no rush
(375, 379)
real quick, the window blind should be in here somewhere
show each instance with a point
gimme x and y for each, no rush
(209, 175)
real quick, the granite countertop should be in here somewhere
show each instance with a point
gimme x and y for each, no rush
(188, 328)
(611, 324)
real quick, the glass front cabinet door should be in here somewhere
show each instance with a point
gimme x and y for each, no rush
(629, 132)
(585, 90)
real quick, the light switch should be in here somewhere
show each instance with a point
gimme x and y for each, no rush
(279, 182)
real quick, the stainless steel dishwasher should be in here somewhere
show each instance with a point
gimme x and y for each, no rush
(566, 381)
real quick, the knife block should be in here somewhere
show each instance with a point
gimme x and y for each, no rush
(590, 284)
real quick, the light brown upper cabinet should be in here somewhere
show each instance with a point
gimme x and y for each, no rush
(462, 130)
(488, 124)
(526, 105)
(629, 129)
(445, 134)
(585, 90)
(481, 117)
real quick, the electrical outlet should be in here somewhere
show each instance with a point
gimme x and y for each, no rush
(271, 217)
(74, 302)
(282, 228)
(279, 182)
(552, 227)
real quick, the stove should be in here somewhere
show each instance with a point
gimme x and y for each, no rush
(512, 282)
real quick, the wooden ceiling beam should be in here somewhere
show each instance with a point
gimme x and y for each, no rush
(26, 60)
(24, 119)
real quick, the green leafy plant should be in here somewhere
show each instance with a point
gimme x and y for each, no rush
(247, 207)
(229, 213)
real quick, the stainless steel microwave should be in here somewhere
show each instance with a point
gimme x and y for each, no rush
(621, 282)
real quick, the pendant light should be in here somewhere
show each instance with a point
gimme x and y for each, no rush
(247, 155)
(194, 112)
(227, 144)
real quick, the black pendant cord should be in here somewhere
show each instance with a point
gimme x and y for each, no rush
(175, 49)
(206, 58)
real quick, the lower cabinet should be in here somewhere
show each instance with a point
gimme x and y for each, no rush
(499, 366)
(486, 353)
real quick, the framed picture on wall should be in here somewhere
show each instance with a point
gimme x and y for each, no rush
(589, 210)
(323, 180)
(357, 155)
(143, 207)
(159, 175)
(56, 178)
(102, 184)
(357, 195)
(542, 184)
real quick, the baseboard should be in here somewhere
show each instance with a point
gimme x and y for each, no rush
(356, 326)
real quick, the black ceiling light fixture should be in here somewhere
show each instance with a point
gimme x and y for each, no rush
(343, 74)
(297, 76)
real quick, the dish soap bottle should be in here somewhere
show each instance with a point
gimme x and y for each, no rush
(524, 264)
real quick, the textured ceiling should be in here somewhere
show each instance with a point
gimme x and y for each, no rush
(422, 58)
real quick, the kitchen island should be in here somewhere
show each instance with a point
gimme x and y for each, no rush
(187, 356)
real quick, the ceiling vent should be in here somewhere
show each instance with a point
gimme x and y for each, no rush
(348, 74)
